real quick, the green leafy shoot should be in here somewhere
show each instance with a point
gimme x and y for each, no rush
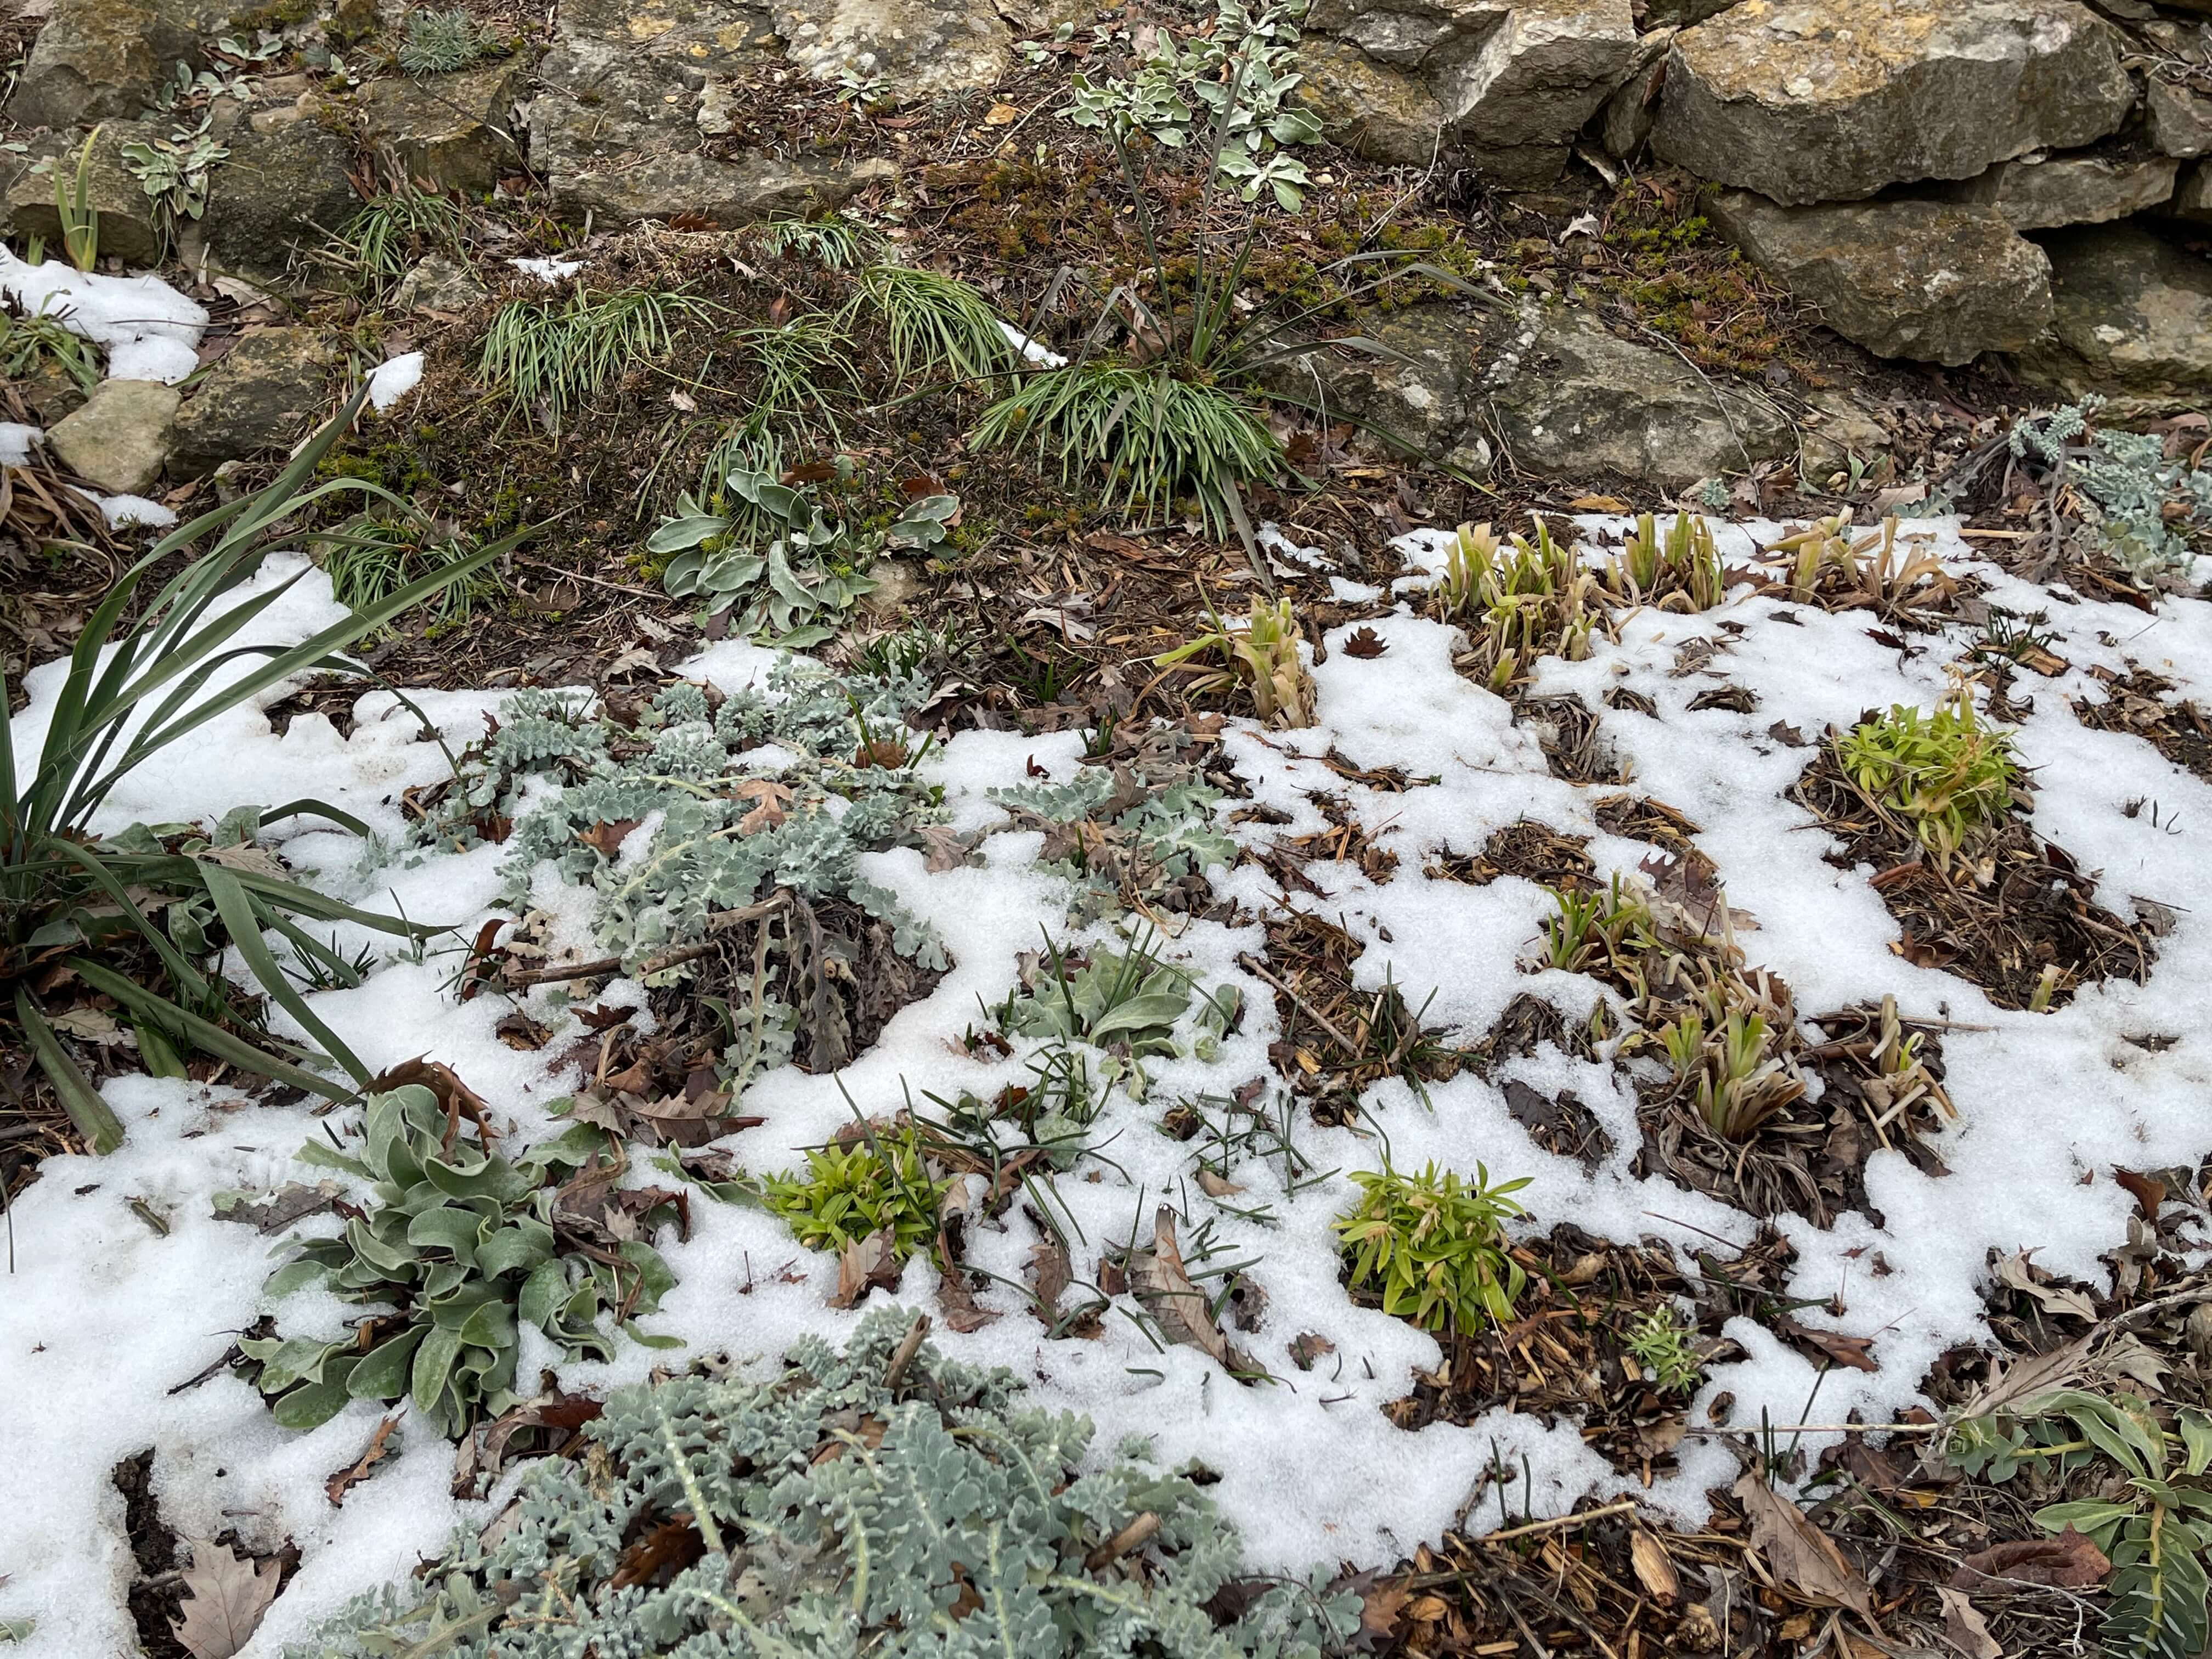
(80, 220)
(1527, 599)
(878, 1184)
(26, 343)
(376, 556)
(133, 689)
(550, 356)
(833, 244)
(1679, 570)
(1665, 1351)
(798, 367)
(936, 324)
(380, 242)
(469, 1247)
(1433, 1247)
(1947, 775)
(1259, 658)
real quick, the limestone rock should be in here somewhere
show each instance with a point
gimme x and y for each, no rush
(129, 229)
(1823, 101)
(1518, 102)
(2193, 200)
(1928, 280)
(448, 129)
(118, 441)
(716, 35)
(2069, 189)
(261, 395)
(923, 48)
(2178, 119)
(2133, 320)
(1840, 429)
(284, 184)
(722, 193)
(1626, 123)
(99, 60)
(1409, 33)
(1421, 399)
(1371, 109)
(438, 283)
(1680, 14)
(1573, 401)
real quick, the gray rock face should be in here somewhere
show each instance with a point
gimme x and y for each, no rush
(1409, 33)
(128, 227)
(1371, 109)
(448, 129)
(284, 184)
(1572, 400)
(722, 194)
(925, 48)
(1631, 110)
(1518, 103)
(1569, 398)
(2133, 318)
(438, 283)
(1927, 280)
(118, 441)
(2069, 189)
(1823, 101)
(99, 60)
(2193, 201)
(2176, 120)
(261, 396)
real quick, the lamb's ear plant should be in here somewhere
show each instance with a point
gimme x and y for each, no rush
(471, 1248)
(1433, 1246)
(90, 900)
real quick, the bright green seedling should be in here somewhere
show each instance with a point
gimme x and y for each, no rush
(1665, 1351)
(767, 547)
(1606, 931)
(848, 1193)
(1946, 775)
(2153, 1521)
(469, 1247)
(882, 1499)
(1434, 1246)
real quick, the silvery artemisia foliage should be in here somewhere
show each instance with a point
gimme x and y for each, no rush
(2129, 479)
(961, 1532)
(558, 774)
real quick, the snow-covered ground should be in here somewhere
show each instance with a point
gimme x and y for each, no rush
(104, 1314)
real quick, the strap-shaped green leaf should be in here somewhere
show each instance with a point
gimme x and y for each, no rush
(434, 1367)
(243, 921)
(93, 1119)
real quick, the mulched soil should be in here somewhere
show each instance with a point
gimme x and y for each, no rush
(2137, 703)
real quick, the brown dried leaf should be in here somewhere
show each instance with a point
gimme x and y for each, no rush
(2149, 1192)
(1365, 642)
(1655, 1569)
(606, 839)
(772, 797)
(2069, 1561)
(1856, 1351)
(1165, 1289)
(668, 1549)
(226, 1597)
(2015, 1270)
(1308, 1346)
(866, 1264)
(1800, 1558)
(1218, 1185)
(1049, 1275)
(1380, 1608)
(343, 1480)
(1963, 1627)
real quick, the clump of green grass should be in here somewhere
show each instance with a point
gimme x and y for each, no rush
(376, 557)
(551, 355)
(441, 42)
(1434, 1246)
(834, 244)
(390, 234)
(798, 368)
(1156, 439)
(1948, 775)
(937, 323)
(27, 342)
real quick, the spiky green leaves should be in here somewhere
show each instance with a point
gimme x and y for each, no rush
(1433, 1247)
(1948, 774)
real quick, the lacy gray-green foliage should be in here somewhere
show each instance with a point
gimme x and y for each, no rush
(750, 538)
(439, 42)
(2127, 477)
(711, 849)
(464, 1243)
(1172, 827)
(962, 1533)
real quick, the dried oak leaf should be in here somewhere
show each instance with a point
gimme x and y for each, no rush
(606, 839)
(771, 797)
(1963, 1627)
(866, 1264)
(1308, 1346)
(226, 1595)
(2069, 1561)
(343, 1480)
(1800, 1560)
(666, 1551)
(1856, 1351)
(1049, 1275)
(1365, 642)
(1182, 1310)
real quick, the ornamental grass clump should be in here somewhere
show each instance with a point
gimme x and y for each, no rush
(878, 1500)
(1433, 1246)
(1949, 777)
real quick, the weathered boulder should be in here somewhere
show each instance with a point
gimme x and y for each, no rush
(1568, 398)
(2193, 200)
(923, 48)
(448, 129)
(285, 185)
(2133, 318)
(118, 439)
(1680, 14)
(435, 282)
(2178, 119)
(1823, 101)
(1630, 113)
(1371, 109)
(2043, 194)
(99, 60)
(1572, 400)
(1409, 33)
(719, 193)
(129, 228)
(1518, 102)
(263, 393)
(1840, 429)
(1928, 280)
